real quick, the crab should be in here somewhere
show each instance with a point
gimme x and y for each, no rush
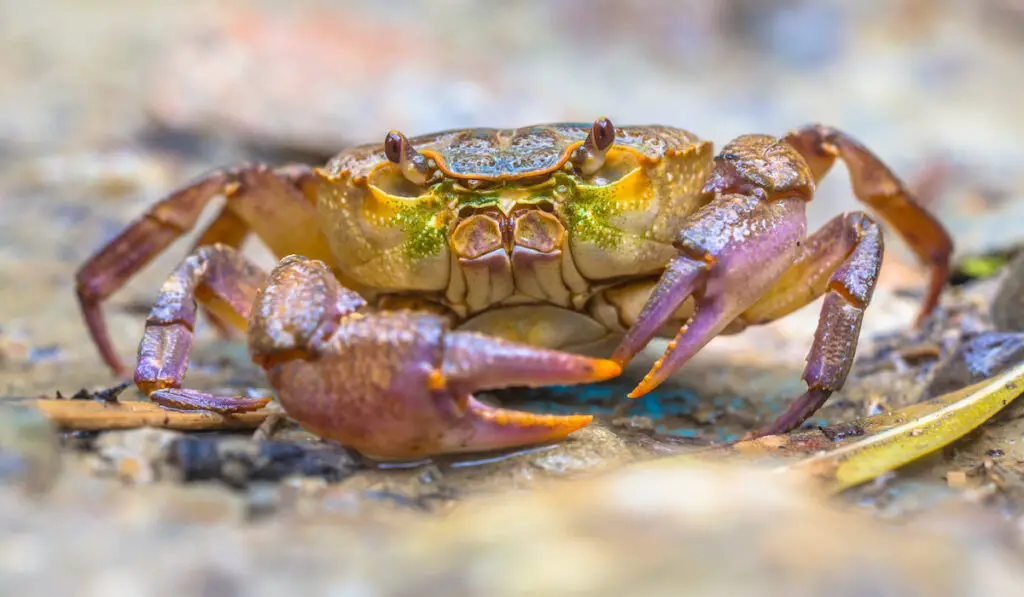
(417, 271)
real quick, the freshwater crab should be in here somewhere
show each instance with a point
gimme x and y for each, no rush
(414, 272)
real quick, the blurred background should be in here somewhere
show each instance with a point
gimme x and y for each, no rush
(105, 105)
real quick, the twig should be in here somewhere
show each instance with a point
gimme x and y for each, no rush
(88, 415)
(268, 427)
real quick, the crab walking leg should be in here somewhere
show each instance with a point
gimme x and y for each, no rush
(731, 252)
(842, 261)
(398, 385)
(227, 283)
(269, 202)
(680, 280)
(877, 186)
(110, 268)
(823, 265)
(228, 229)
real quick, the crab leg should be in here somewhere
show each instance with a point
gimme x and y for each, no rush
(877, 186)
(121, 258)
(731, 253)
(393, 385)
(228, 229)
(842, 261)
(226, 283)
(398, 385)
(268, 202)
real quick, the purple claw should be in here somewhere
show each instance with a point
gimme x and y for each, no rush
(475, 361)
(186, 399)
(744, 244)
(705, 324)
(681, 278)
(398, 386)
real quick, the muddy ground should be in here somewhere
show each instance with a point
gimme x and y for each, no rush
(106, 105)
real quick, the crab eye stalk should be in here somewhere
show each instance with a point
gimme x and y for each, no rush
(414, 165)
(589, 157)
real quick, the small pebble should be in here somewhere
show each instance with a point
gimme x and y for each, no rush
(956, 479)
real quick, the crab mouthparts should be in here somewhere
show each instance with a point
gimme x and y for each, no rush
(530, 226)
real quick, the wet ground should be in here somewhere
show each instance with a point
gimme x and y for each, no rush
(107, 105)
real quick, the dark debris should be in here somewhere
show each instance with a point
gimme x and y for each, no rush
(79, 440)
(424, 502)
(979, 357)
(237, 462)
(842, 431)
(109, 395)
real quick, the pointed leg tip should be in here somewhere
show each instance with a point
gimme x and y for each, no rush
(922, 319)
(638, 391)
(243, 405)
(117, 367)
(259, 403)
(648, 383)
(185, 399)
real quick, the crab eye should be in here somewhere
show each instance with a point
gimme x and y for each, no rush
(393, 146)
(414, 165)
(589, 157)
(603, 133)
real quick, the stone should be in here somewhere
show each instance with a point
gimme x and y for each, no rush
(29, 448)
(978, 357)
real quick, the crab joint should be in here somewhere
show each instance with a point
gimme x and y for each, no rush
(414, 165)
(589, 157)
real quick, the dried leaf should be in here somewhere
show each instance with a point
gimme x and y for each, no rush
(913, 432)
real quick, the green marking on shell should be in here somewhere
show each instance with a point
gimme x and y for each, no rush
(588, 213)
(425, 236)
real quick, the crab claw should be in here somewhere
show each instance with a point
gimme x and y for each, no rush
(680, 279)
(398, 386)
(478, 362)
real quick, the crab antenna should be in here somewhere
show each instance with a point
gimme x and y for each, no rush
(414, 165)
(589, 157)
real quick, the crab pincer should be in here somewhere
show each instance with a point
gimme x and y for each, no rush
(399, 384)
(409, 392)
(394, 385)
(745, 258)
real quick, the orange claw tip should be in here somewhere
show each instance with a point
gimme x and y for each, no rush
(571, 423)
(555, 424)
(499, 428)
(437, 381)
(606, 369)
(645, 386)
(545, 428)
